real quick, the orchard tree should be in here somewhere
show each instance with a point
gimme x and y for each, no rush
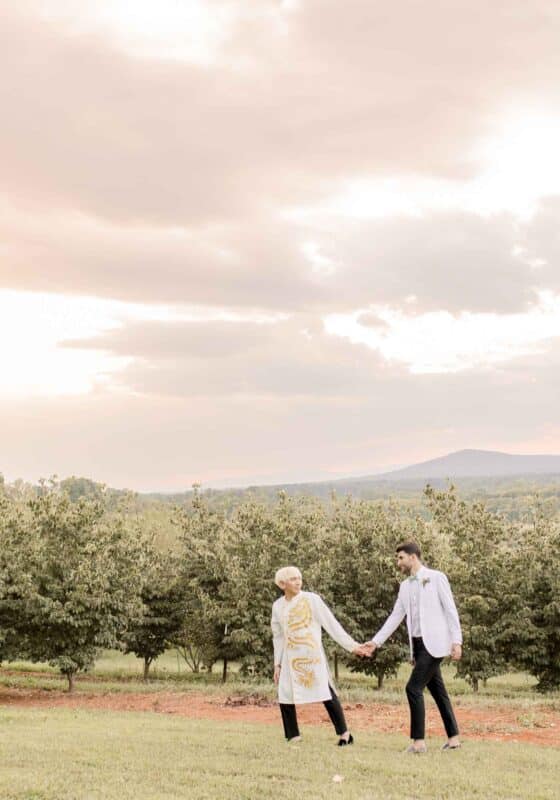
(163, 607)
(535, 637)
(86, 573)
(479, 545)
(359, 579)
(262, 540)
(206, 541)
(16, 585)
(229, 567)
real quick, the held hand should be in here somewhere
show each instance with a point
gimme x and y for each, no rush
(277, 673)
(456, 652)
(364, 650)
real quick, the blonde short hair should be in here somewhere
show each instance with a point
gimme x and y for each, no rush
(284, 573)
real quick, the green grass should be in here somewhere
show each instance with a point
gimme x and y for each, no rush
(63, 755)
(115, 672)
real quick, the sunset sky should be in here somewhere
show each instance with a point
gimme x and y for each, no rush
(255, 241)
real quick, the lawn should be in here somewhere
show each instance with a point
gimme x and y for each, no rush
(116, 672)
(80, 755)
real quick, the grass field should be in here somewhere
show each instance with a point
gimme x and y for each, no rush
(79, 755)
(115, 672)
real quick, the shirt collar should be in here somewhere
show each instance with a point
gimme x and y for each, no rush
(418, 574)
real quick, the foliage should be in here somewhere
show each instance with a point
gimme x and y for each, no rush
(262, 541)
(163, 607)
(479, 563)
(535, 634)
(359, 579)
(205, 580)
(81, 577)
(101, 571)
(16, 586)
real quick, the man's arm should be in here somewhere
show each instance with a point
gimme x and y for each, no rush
(392, 623)
(450, 610)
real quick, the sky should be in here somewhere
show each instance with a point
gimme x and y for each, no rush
(259, 241)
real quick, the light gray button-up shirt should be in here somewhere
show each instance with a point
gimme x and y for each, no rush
(415, 626)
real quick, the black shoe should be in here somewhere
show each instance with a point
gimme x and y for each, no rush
(343, 742)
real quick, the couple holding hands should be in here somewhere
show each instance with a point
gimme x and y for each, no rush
(301, 670)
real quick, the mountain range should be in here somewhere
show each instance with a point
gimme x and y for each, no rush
(476, 463)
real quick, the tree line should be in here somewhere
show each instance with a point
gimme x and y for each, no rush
(81, 574)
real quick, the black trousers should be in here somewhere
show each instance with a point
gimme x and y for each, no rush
(427, 672)
(334, 710)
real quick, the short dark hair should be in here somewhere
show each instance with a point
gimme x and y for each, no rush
(411, 548)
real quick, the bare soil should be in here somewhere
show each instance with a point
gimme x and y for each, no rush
(537, 726)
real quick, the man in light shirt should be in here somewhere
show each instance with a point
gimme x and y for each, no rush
(434, 632)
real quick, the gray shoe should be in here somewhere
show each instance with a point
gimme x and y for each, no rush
(416, 750)
(448, 746)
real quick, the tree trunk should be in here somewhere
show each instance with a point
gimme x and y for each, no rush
(336, 666)
(70, 677)
(224, 671)
(380, 679)
(475, 684)
(147, 662)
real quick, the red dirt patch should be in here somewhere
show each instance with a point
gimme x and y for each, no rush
(537, 725)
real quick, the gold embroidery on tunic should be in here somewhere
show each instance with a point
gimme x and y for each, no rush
(301, 641)
(304, 672)
(300, 616)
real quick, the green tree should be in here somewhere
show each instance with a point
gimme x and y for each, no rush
(85, 571)
(229, 565)
(534, 635)
(479, 563)
(263, 539)
(358, 573)
(205, 538)
(163, 608)
(16, 585)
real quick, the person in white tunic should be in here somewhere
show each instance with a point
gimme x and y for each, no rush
(301, 670)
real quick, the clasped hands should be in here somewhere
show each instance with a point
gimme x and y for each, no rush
(365, 650)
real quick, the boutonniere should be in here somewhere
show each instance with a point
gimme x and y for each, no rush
(425, 581)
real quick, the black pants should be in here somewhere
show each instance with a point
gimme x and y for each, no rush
(334, 710)
(427, 672)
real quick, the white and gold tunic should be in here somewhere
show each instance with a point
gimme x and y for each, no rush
(296, 631)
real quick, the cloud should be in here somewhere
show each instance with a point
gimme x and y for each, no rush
(305, 355)
(180, 340)
(146, 178)
(288, 358)
(333, 93)
(148, 441)
(541, 244)
(447, 261)
(208, 184)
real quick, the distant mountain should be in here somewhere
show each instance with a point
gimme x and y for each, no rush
(476, 463)
(474, 472)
